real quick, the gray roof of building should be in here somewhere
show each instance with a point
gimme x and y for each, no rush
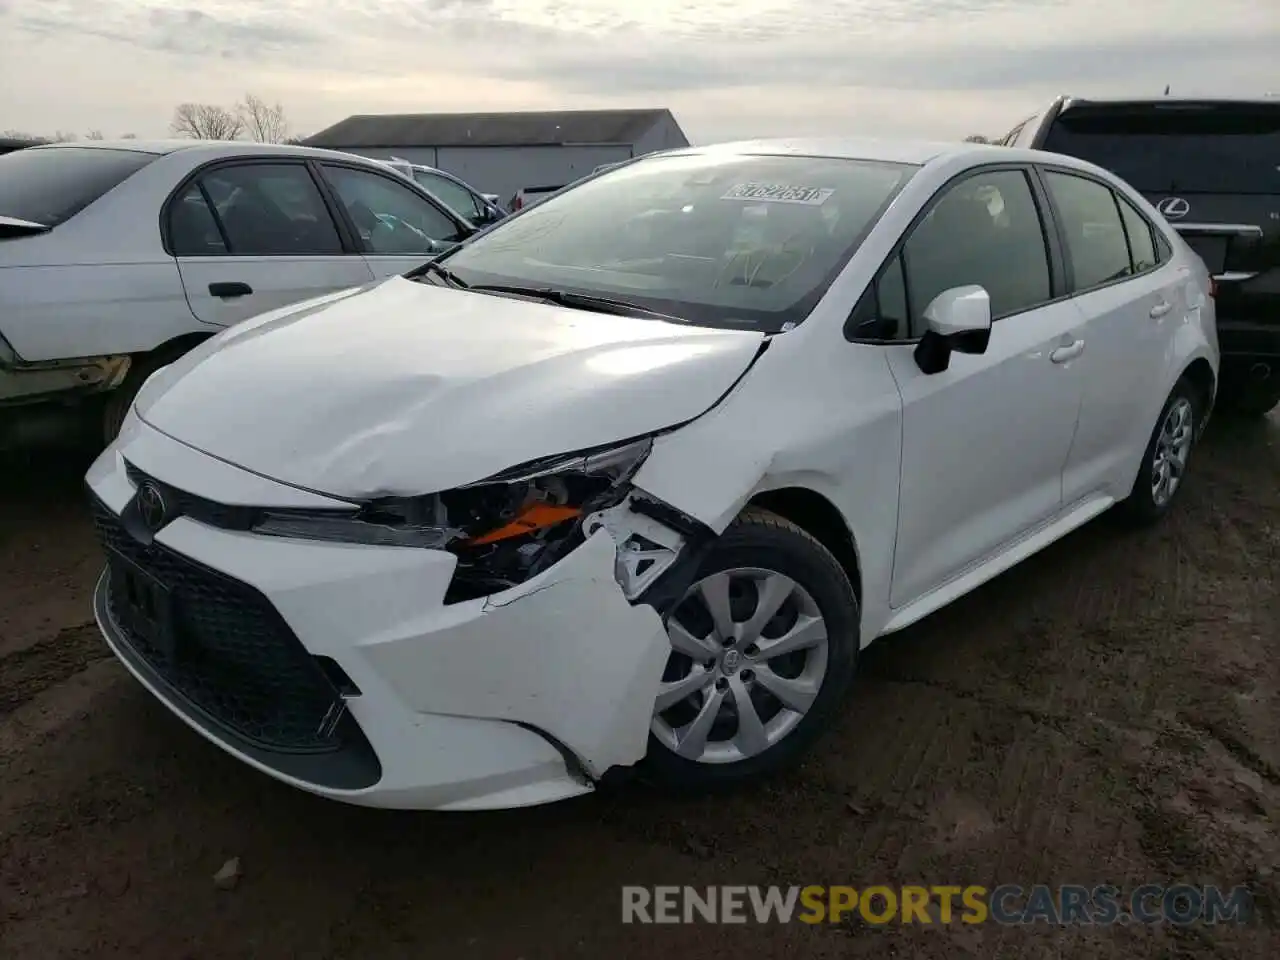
(489, 129)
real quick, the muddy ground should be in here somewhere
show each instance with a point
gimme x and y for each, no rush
(1109, 712)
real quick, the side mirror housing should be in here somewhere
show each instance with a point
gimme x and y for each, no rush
(957, 320)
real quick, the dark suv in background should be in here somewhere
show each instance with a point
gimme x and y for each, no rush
(1212, 167)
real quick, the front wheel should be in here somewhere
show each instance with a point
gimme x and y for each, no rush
(1164, 462)
(763, 648)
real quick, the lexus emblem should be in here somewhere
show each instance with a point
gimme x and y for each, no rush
(1173, 208)
(152, 507)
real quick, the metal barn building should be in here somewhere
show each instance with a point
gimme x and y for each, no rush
(503, 152)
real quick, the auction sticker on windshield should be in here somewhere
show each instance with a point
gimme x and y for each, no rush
(779, 193)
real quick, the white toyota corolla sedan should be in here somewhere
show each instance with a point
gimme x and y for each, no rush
(630, 478)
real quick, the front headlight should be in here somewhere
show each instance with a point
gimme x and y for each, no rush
(522, 510)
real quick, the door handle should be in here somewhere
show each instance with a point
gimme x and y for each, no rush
(1160, 309)
(229, 289)
(1069, 352)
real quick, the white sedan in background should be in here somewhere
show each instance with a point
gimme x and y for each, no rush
(116, 257)
(632, 477)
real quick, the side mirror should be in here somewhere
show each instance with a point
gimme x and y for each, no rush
(956, 320)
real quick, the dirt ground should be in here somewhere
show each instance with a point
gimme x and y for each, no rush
(1108, 712)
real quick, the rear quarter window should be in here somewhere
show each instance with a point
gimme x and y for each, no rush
(50, 185)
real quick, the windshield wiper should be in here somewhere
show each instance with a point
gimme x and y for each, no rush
(440, 270)
(579, 301)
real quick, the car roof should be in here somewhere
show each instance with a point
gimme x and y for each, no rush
(201, 149)
(918, 152)
(1116, 100)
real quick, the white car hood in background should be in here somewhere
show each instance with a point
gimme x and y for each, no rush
(407, 388)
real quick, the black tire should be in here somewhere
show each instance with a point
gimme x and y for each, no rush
(121, 398)
(765, 540)
(1141, 508)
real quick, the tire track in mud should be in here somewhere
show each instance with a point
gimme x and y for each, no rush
(27, 673)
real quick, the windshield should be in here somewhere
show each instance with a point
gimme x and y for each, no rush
(1227, 149)
(716, 239)
(48, 185)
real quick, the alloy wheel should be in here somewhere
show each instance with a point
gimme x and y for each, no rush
(749, 651)
(1173, 447)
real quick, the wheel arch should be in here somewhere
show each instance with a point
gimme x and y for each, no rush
(174, 346)
(1200, 375)
(821, 519)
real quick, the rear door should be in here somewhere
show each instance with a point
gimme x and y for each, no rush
(250, 236)
(395, 224)
(1131, 299)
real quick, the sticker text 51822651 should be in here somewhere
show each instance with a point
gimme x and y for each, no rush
(779, 193)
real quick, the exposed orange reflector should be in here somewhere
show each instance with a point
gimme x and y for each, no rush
(533, 517)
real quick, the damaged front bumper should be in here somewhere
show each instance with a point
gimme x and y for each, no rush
(524, 696)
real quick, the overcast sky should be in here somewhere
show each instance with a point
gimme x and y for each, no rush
(727, 68)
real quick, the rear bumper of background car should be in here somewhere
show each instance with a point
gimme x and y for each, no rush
(339, 669)
(1250, 356)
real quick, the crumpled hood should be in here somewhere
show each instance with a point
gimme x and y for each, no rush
(404, 388)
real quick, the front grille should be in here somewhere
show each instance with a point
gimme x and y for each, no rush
(235, 658)
(186, 504)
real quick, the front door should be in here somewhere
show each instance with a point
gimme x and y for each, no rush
(250, 237)
(983, 442)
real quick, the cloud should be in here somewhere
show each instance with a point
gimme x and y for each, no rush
(727, 67)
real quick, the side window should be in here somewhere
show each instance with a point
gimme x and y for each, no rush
(452, 195)
(1095, 234)
(891, 298)
(391, 218)
(271, 209)
(193, 232)
(882, 313)
(985, 230)
(1142, 248)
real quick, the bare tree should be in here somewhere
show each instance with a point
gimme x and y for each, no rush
(94, 135)
(64, 136)
(976, 138)
(263, 122)
(19, 135)
(128, 136)
(205, 121)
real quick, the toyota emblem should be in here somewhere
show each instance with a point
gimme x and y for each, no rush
(152, 507)
(1173, 208)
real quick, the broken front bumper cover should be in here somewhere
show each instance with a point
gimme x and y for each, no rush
(525, 696)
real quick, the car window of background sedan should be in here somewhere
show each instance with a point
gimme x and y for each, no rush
(450, 193)
(391, 218)
(266, 209)
(49, 185)
(717, 239)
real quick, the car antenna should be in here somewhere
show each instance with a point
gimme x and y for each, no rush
(1166, 89)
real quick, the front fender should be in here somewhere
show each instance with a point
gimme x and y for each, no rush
(828, 421)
